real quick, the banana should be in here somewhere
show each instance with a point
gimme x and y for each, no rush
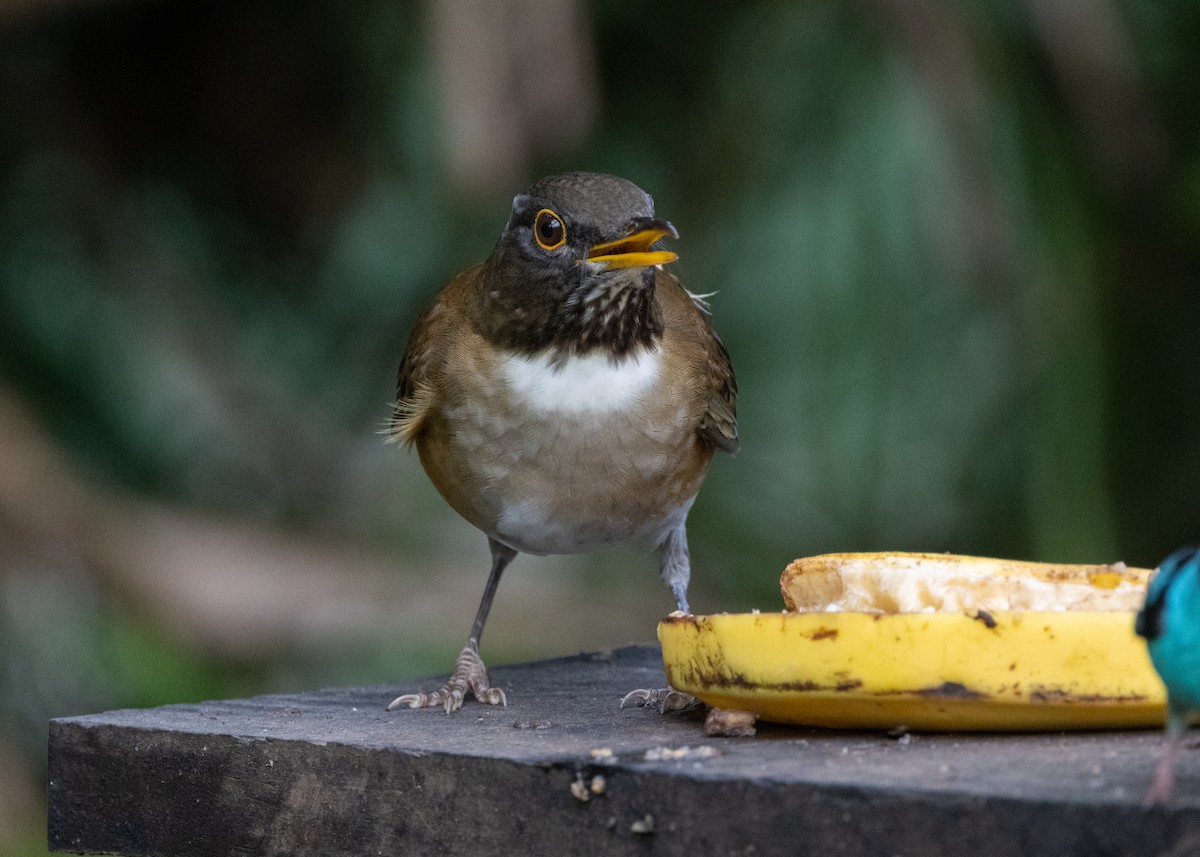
(930, 642)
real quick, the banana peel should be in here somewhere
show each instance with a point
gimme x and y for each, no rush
(976, 667)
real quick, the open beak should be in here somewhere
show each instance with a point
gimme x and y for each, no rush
(633, 251)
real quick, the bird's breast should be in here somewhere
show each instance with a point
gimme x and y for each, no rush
(573, 454)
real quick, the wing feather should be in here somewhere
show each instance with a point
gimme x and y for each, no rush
(418, 378)
(690, 318)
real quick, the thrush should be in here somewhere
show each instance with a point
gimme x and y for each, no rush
(567, 394)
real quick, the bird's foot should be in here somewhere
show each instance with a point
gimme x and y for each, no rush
(469, 675)
(664, 697)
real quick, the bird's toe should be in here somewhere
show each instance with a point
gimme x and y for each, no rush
(667, 699)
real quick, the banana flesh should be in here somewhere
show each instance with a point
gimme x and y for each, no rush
(965, 669)
(925, 582)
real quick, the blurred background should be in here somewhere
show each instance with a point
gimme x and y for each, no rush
(956, 245)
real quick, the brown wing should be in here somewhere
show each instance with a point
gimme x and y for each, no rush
(688, 317)
(720, 418)
(416, 380)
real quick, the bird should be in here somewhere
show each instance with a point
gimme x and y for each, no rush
(1170, 622)
(567, 394)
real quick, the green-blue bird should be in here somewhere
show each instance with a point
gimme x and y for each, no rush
(1170, 622)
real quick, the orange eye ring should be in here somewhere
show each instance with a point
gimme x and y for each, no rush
(548, 230)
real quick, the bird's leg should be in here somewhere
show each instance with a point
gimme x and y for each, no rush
(1164, 776)
(676, 570)
(469, 671)
(675, 564)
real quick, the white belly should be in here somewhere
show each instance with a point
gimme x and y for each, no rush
(534, 529)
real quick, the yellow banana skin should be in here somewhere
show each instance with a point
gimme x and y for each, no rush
(1001, 671)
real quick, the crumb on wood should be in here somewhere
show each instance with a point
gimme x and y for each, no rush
(643, 825)
(579, 790)
(673, 754)
(730, 723)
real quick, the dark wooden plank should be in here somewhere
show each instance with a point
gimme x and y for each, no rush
(332, 773)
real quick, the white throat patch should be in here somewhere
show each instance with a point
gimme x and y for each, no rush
(589, 384)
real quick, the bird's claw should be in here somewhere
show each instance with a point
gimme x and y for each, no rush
(665, 698)
(640, 697)
(469, 675)
(445, 696)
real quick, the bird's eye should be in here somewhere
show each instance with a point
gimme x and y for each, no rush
(549, 231)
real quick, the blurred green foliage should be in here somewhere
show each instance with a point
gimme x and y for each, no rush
(956, 245)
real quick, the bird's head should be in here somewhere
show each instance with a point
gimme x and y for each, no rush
(574, 269)
(1179, 573)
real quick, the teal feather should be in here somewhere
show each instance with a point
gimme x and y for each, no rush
(1170, 622)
